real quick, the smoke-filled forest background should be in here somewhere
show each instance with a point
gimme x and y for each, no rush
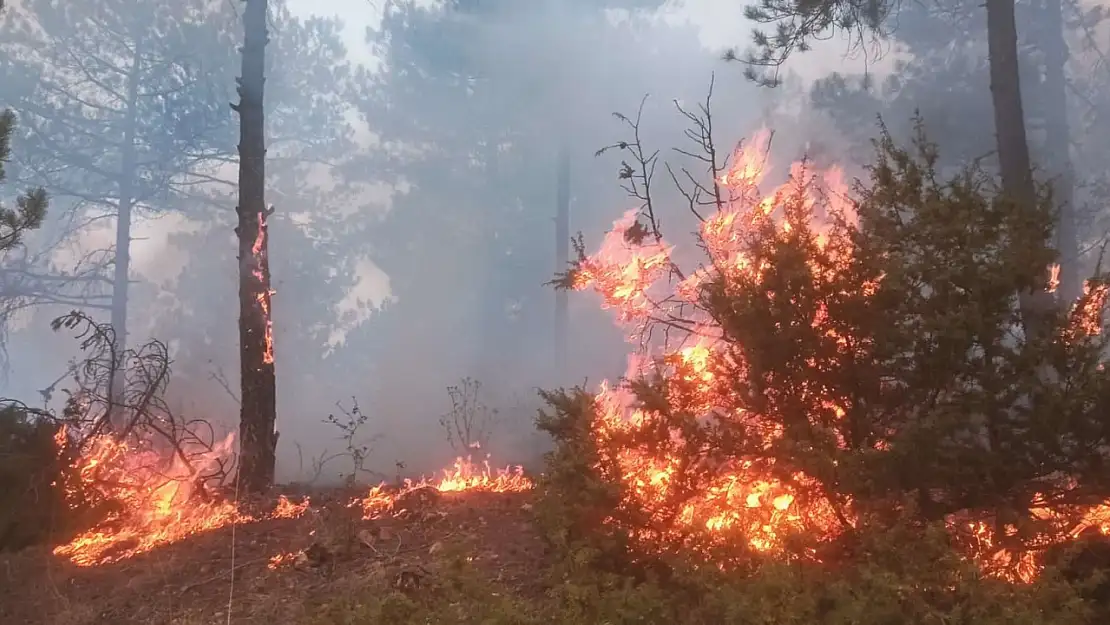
(413, 164)
(789, 312)
(413, 167)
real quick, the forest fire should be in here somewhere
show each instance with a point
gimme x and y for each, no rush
(154, 499)
(286, 509)
(747, 499)
(988, 549)
(627, 272)
(260, 272)
(464, 476)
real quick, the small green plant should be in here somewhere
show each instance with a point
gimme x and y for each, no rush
(893, 581)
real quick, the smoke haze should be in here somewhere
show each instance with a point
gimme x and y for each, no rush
(413, 160)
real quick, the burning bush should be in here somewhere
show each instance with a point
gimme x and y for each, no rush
(128, 471)
(838, 362)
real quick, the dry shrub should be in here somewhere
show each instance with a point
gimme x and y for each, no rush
(113, 402)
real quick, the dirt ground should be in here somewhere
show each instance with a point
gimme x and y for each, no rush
(328, 550)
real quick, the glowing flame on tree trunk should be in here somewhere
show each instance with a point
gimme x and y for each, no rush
(258, 395)
(261, 274)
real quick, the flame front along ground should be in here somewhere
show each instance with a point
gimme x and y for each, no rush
(156, 501)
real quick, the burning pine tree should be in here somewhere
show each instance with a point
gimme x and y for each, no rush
(258, 438)
(839, 361)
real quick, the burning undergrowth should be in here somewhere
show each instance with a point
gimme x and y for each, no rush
(135, 477)
(123, 458)
(839, 360)
(464, 476)
(148, 497)
(152, 499)
(844, 373)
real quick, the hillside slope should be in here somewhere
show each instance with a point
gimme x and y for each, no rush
(322, 567)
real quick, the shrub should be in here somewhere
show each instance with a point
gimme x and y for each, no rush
(33, 504)
(900, 572)
(839, 369)
(111, 453)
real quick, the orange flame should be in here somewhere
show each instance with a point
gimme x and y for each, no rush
(259, 251)
(284, 560)
(748, 500)
(1087, 313)
(155, 502)
(1053, 278)
(286, 509)
(465, 475)
(157, 499)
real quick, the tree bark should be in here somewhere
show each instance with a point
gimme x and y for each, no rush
(116, 415)
(258, 406)
(1058, 147)
(1009, 127)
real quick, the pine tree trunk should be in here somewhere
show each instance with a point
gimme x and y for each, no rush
(258, 411)
(1009, 127)
(1058, 144)
(116, 415)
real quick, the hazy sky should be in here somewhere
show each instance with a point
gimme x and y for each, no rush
(721, 25)
(720, 22)
(408, 410)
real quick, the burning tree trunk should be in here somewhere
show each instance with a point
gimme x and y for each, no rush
(562, 243)
(258, 412)
(1009, 128)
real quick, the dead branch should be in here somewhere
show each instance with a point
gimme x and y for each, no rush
(643, 172)
(469, 424)
(149, 424)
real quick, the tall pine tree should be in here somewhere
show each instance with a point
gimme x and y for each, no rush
(258, 412)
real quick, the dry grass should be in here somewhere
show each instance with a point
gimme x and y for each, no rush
(336, 559)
